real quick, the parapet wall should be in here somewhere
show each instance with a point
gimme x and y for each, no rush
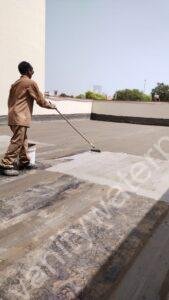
(150, 113)
(72, 108)
(66, 106)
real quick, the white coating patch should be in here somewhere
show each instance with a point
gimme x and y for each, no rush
(119, 170)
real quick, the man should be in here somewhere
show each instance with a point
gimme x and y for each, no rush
(20, 107)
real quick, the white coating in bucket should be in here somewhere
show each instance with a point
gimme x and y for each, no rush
(32, 153)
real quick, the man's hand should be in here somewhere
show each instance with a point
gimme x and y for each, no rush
(52, 106)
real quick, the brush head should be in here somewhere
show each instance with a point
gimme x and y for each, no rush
(95, 150)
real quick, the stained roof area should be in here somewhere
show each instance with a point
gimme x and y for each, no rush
(87, 225)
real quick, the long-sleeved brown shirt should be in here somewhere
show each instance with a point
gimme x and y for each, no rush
(20, 102)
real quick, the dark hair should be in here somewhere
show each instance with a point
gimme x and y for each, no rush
(24, 67)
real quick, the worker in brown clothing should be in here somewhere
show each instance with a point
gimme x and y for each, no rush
(20, 107)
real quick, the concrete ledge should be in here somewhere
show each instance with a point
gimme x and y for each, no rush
(58, 117)
(130, 119)
(3, 119)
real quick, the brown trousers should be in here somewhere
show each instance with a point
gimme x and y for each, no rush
(18, 147)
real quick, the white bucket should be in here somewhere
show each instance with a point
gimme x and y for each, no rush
(31, 152)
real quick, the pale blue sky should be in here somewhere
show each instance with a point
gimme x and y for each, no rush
(113, 43)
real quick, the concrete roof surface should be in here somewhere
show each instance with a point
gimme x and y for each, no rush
(87, 225)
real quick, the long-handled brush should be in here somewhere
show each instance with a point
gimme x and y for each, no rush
(93, 148)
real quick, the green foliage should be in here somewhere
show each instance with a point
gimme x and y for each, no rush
(131, 95)
(81, 96)
(162, 90)
(94, 96)
(63, 95)
(66, 96)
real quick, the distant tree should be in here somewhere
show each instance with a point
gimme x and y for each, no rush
(81, 96)
(162, 90)
(64, 95)
(131, 95)
(95, 96)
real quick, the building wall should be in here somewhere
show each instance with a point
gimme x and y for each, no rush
(22, 37)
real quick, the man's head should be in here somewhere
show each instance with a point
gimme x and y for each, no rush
(25, 68)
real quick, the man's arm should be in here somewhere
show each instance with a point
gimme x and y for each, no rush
(38, 96)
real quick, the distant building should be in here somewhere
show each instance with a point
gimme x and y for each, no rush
(22, 37)
(46, 94)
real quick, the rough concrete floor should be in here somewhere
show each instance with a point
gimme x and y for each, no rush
(64, 235)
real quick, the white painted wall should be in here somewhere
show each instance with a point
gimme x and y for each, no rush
(133, 109)
(22, 37)
(68, 106)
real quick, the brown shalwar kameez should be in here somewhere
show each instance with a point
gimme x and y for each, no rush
(20, 107)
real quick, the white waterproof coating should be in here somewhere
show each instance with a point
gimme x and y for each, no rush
(125, 172)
